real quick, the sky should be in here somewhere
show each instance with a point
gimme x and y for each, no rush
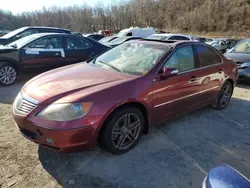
(18, 6)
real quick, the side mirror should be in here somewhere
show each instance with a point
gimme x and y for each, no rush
(165, 73)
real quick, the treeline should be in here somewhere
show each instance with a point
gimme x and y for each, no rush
(182, 15)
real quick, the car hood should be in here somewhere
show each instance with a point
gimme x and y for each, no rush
(53, 85)
(238, 57)
(4, 49)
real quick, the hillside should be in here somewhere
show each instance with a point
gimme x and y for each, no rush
(197, 16)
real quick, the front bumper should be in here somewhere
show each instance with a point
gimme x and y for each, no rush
(59, 140)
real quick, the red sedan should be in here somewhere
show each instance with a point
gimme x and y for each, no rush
(118, 96)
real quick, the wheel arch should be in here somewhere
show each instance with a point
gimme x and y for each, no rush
(12, 62)
(142, 107)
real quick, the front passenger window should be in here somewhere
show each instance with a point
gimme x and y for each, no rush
(182, 59)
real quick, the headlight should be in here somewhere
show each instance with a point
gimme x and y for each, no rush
(245, 65)
(65, 112)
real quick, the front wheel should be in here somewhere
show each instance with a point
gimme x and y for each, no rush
(8, 74)
(123, 130)
(224, 96)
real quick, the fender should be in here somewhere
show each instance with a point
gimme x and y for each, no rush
(15, 63)
(122, 103)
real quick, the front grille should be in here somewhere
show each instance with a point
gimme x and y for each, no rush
(26, 107)
(23, 106)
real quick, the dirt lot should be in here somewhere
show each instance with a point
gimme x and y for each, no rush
(178, 154)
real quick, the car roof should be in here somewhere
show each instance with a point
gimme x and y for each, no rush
(44, 27)
(171, 43)
(170, 34)
(48, 34)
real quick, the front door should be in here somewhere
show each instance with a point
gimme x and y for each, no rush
(178, 93)
(43, 52)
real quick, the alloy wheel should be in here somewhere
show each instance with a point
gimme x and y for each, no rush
(7, 75)
(226, 95)
(126, 131)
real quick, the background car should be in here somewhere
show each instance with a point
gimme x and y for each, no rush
(25, 31)
(45, 50)
(240, 53)
(119, 95)
(169, 36)
(108, 39)
(136, 32)
(225, 176)
(95, 36)
(223, 44)
(121, 40)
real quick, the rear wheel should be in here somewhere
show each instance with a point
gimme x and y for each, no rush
(8, 74)
(123, 130)
(224, 96)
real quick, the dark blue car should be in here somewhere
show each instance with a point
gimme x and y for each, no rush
(45, 50)
(25, 31)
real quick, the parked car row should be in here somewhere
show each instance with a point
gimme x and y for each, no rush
(45, 50)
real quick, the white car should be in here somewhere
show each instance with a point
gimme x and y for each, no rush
(171, 36)
(137, 32)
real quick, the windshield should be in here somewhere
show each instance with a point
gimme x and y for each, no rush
(157, 37)
(132, 57)
(13, 33)
(23, 41)
(122, 33)
(242, 47)
(118, 40)
(105, 39)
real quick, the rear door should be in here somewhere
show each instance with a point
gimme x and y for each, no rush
(77, 49)
(178, 93)
(212, 70)
(46, 51)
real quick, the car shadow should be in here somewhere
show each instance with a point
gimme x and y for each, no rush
(98, 168)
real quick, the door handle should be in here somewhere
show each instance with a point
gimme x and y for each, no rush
(220, 71)
(193, 78)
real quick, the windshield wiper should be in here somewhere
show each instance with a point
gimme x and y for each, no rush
(113, 67)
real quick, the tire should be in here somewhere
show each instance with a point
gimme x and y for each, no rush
(116, 132)
(8, 74)
(223, 99)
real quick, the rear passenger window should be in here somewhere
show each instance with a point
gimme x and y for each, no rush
(77, 43)
(207, 56)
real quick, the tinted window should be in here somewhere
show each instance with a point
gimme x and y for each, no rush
(50, 31)
(77, 43)
(182, 59)
(47, 43)
(207, 56)
(129, 34)
(178, 38)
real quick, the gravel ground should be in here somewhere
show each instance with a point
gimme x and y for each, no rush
(178, 154)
